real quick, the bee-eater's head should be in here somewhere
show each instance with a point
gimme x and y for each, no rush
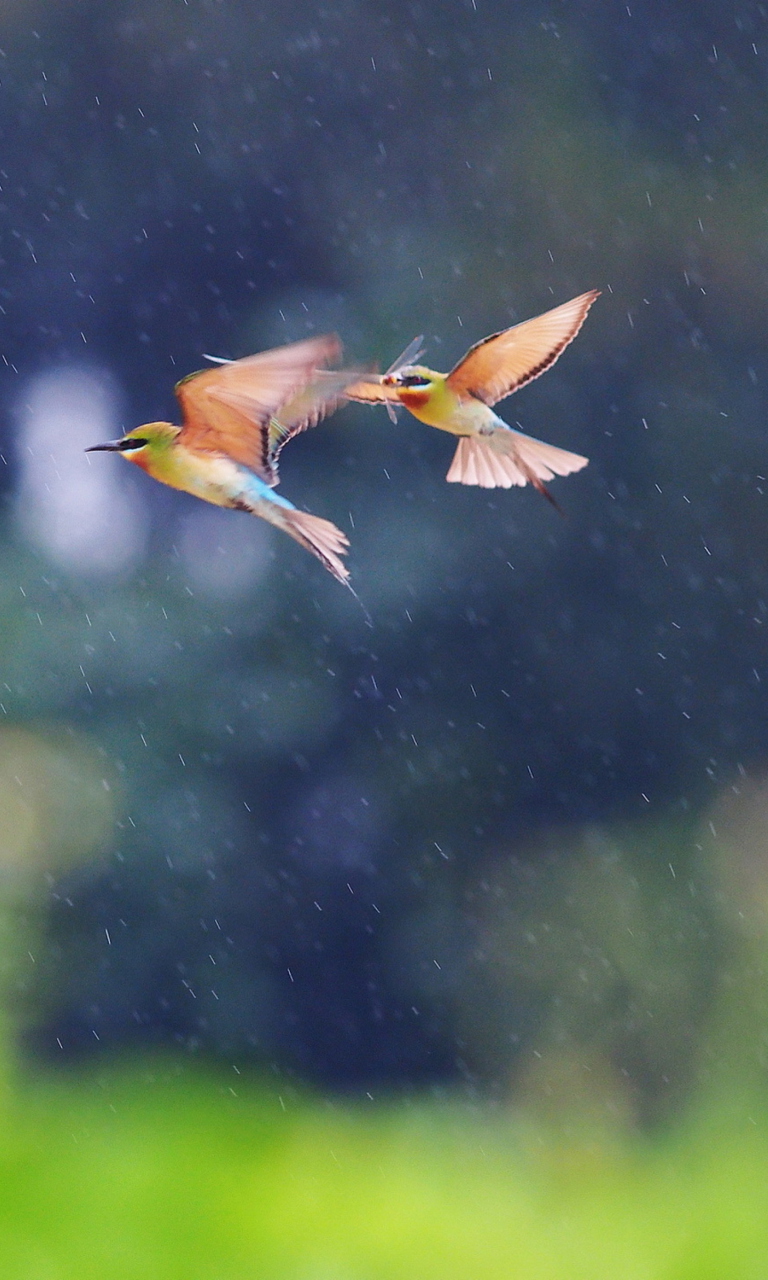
(415, 377)
(141, 444)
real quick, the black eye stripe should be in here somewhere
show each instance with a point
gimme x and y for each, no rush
(134, 442)
(414, 380)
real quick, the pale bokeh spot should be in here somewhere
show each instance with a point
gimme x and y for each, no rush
(56, 806)
(736, 838)
(78, 508)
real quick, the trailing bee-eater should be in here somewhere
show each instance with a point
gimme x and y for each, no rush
(489, 453)
(236, 419)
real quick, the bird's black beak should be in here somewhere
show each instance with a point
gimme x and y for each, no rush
(112, 446)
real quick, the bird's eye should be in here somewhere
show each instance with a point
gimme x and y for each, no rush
(414, 380)
(130, 443)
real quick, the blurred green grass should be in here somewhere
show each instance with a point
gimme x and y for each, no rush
(167, 1171)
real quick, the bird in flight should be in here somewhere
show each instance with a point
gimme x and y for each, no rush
(235, 420)
(489, 452)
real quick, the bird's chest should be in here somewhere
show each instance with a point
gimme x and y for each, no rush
(206, 475)
(441, 408)
(434, 405)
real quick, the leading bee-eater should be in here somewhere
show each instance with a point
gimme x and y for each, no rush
(489, 453)
(236, 419)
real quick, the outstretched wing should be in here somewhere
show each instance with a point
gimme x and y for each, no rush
(319, 398)
(500, 364)
(229, 409)
(413, 352)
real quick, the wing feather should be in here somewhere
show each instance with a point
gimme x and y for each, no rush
(319, 398)
(229, 409)
(503, 362)
(413, 352)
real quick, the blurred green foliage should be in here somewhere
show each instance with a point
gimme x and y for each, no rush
(589, 1163)
(159, 1169)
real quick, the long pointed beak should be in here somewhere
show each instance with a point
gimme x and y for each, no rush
(112, 446)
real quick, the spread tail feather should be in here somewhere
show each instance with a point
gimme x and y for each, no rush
(320, 537)
(505, 458)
